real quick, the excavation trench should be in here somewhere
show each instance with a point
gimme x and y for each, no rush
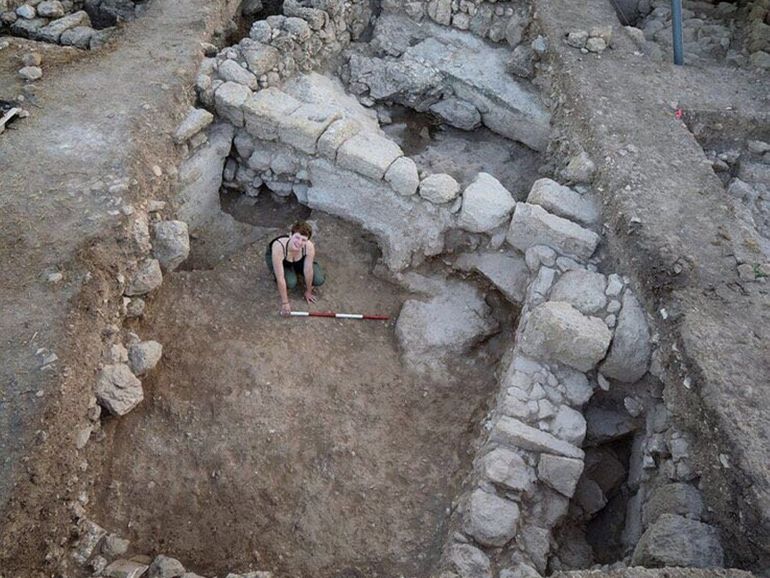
(338, 449)
(301, 446)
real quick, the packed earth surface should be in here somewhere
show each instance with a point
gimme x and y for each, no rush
(564, 236)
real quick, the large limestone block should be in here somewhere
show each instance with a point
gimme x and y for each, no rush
(582, 289)
(265, 111)
(629, 354)
(171, 243)
(680, 499)
(201, 176)
(337, 133)
(677, 541)
(165, 567)
(514, 433)
(403, 177)
(303, 127)
(368, 154)
(448, 324)
(569, 425)
(508, 272)
(491, 520)
(508, 469)
(195, 121)
(487, 204)
(260, 58)
(439, 188)
(532, 225)
(560, 473)
(458, 113)
(563, 201)
(231, 71)
(557, 331)
(405, 230)
(117, 389)
(229, 100)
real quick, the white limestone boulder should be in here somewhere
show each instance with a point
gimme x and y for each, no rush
(368, 154)
(229, 99)
(507, 271)
(560, 473)
(584, 290)
(491, 520)
(446, 325)
(563, 201)
(439, 188)
(487, 204)
(557, 331)
(195, 121)
(403, 177)
(532, 225)
(629, 354)
(265, 111)
(231, 71)
(514, 433)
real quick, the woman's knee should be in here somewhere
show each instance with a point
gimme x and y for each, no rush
(319, 277)
(291, 279)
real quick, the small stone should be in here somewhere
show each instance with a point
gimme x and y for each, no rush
(82, 437)
(135, 307)
(577, 38)
(580, 169)
(50, 9)
(486, 204)
(171, 244)
(165, 567)
(31, 59)
(147, 278)
(124, 569)
(26, 11)
(117, 389)
(31, 73)
(596, 45)
(144, 356)
(469, 561)
(114, 546)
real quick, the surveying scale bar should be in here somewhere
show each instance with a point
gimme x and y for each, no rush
(339, 315)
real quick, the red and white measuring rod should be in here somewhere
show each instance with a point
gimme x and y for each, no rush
(338, 315)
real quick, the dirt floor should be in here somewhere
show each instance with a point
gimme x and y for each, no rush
(300, 446)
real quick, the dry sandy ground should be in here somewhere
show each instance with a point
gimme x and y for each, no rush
(300, 446)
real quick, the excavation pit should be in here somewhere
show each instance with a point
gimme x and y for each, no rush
(302, 446)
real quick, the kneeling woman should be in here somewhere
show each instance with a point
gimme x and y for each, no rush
(291, 255)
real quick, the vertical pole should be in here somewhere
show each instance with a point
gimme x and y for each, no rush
(676, 27)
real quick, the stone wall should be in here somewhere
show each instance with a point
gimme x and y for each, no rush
(78, 23)
(500, 22)
(299, 40)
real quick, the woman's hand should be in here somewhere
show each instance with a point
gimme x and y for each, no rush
(285, 309)
(309, 297)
